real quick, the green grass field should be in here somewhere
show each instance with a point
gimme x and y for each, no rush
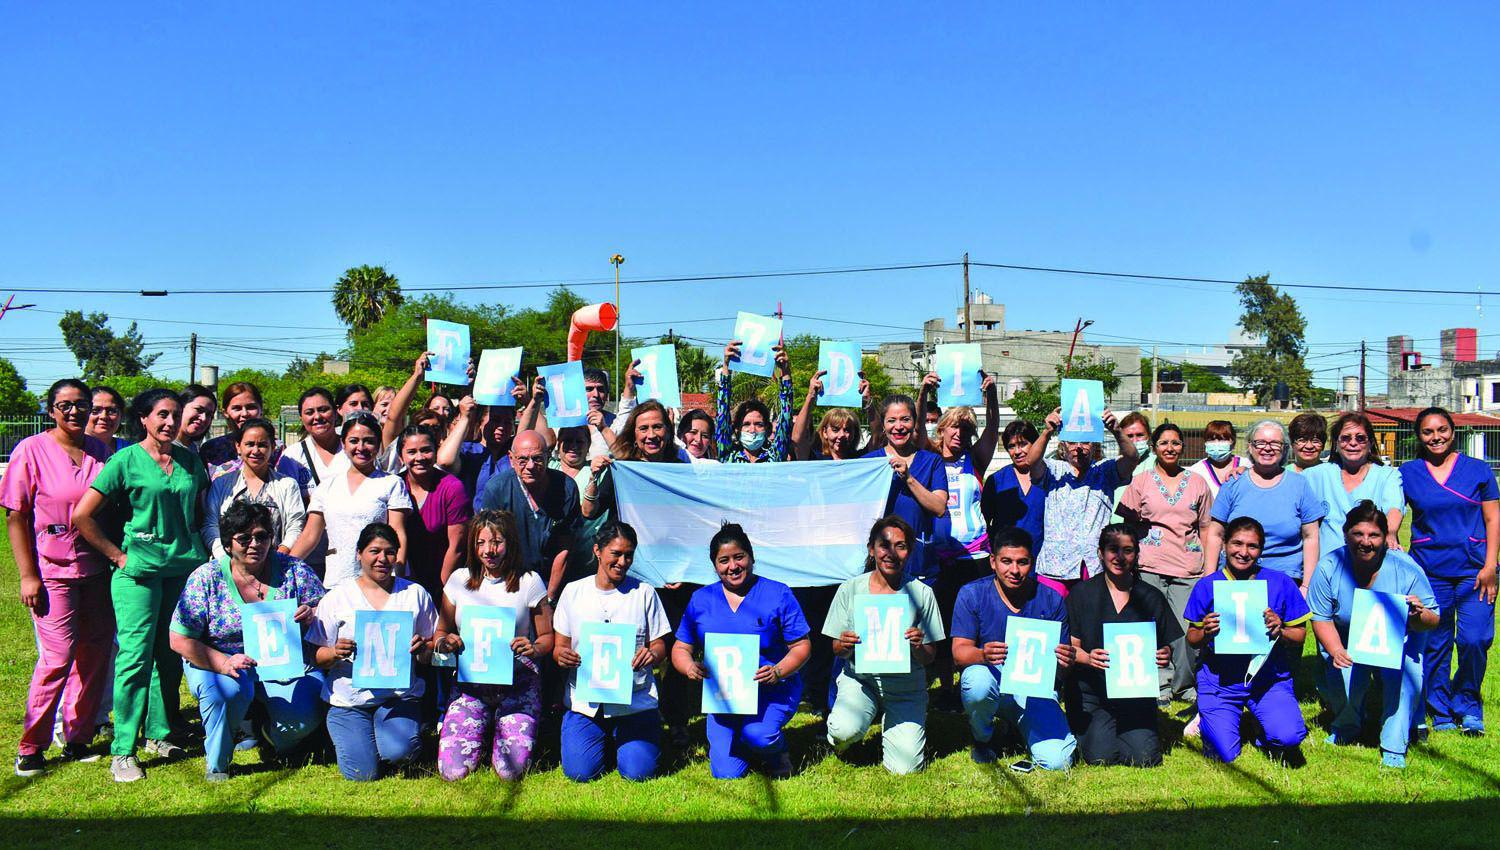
(1446, 798)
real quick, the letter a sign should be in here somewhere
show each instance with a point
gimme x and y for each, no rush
(1082, 410)
(1377, 628)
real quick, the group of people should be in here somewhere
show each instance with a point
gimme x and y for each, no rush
(136, 558)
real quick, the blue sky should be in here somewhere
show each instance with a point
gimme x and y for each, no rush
(189, 145)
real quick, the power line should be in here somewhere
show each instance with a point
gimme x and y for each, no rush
(1182, 279)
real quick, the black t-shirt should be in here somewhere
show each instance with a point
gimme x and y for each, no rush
(1089, 608)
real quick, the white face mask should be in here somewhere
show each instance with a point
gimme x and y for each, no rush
(1218, 449)
(1142, 447)
(932, 430)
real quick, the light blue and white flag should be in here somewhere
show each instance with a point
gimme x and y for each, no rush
(808, 522)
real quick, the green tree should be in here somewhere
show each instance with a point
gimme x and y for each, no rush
(695, 366)
(1037, 397)
(99, 351)
(1274, 317)
(365, 295)
(14, 399)
(1198, 378)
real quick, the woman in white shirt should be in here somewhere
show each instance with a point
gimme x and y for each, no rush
(372, 725)
(1221, 464)
(504, 715)
(345, 503)
(257, 481)
(611, 596)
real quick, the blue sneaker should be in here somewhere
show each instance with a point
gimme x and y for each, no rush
(1472, 726)
(982, 753)
(1394, 760)
(1445, 726)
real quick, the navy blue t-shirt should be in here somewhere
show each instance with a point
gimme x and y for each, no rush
(980, 614)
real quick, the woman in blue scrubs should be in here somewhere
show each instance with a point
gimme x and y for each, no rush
(1015, 496)
(1353, 474)
(1455, 532)
(919, 480)
(744, 603)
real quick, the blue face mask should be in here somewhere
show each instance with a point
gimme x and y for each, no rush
(1218, 449)
(751, 441)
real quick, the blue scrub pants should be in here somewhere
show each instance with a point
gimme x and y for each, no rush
(292, 709)
(1453, 697)
(1400, 692)
(367, 735)
(734, 739)
(1041, 721)
(637, 740)
(1273, 703)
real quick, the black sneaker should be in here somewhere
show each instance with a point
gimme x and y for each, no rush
(79, 752)
(30, 765)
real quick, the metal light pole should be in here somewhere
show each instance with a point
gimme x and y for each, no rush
(616, 261)
(1077, 329)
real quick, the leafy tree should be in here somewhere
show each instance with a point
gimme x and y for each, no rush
(1037, 397)
(365, 295)
(14, 399)
(99, 351)
(1275, 317)
(1198, 378)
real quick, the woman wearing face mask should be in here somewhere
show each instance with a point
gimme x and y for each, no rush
(1220, 463)
(435, 535)
(64, 583)
(750, 437)
(1455, 532)
(1169, 507)
(695, 434)
(899, 700)
(1353, 474)
(838, 429)
(1227, 684)
(342, 506)
(371, 726)
(919, 481)
(255, 481)
(504, 717)
(320, 451)
(1366, 562)
(1015, 496)
(105, 417)
(744, 603)
(1306, 434)
(1115, 730)
(1284, 504)
(1080, 501)
(159, 486)
(198, 409)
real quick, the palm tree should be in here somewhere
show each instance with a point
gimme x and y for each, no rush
(364, 295)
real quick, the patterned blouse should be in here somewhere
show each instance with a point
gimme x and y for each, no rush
(729, 451)
(209, 608)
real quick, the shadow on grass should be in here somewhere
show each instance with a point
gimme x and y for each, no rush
(1446, 824)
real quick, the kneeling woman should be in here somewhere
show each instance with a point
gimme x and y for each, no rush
(1366, 562)
(744, 603)
(208, 633)
(1226, 683)
(504, 715)
(610, 595)
(1115, 731)
(372, 725)
(901, 697)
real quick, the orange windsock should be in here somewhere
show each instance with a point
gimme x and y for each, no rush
(594, 317)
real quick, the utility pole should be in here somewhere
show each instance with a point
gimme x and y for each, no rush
(192, 358)
(968, 324)
(1077, 329)
(615, 261)
(1362, 376)
(1155, 385)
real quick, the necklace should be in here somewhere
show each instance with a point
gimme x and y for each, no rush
(259, 589)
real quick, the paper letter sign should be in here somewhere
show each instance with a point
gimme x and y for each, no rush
(273, 639)
(756, 335)
(1132, 660)
(487, 631)
(1241, 606)
(382, 654)
(605, 676)
(841, 363)
(496, 376)
(658, 368)
(958, 369)
(449, 344)
(731, 661)
(881, 621)
(1082, 410)
(1377, 628)
(1030, 668)
(567, 404)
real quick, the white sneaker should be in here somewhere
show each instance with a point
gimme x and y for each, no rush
(126, 769)
(1191, 730)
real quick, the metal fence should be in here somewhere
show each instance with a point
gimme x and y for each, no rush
(14, 429)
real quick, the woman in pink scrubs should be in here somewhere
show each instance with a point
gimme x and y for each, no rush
(64, 582)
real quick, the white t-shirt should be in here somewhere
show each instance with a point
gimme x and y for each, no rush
(529, 594)
(305, 452)
(334, 618)
(346, 513)
(1216, 478)
(632, 602)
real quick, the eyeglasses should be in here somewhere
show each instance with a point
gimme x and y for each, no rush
(1353, 439)
(1307, 441)
(1267, 445)
(243, 540)
(71, 406)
